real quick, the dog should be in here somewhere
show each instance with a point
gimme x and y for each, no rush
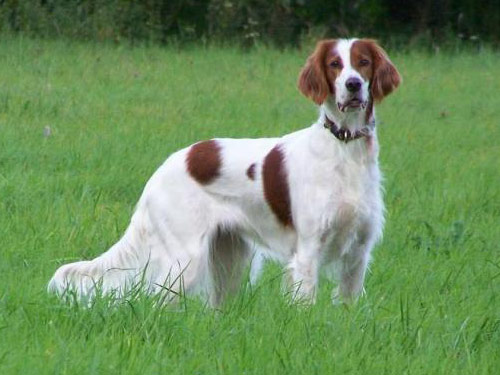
(311, 199)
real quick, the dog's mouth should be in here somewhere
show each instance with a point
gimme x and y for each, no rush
(352, 105)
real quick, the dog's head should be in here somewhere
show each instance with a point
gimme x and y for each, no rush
(350, 71)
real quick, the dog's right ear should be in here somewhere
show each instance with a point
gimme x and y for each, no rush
(312, 81)
(386, 77)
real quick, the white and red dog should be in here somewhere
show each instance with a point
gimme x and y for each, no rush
(311, 198)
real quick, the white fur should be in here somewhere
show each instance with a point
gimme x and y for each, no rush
(198, 238)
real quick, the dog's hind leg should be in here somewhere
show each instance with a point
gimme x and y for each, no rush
(256, 266)
(229, 254)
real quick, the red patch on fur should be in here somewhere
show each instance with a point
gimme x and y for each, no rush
(204, 161)
(362, 59)
(276, 192)
(251, 171)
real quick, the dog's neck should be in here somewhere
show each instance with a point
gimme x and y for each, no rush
(353, 121)
(364, 147)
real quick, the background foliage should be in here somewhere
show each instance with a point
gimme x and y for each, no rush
(278, 22)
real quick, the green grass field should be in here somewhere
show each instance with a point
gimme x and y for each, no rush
(115, 113)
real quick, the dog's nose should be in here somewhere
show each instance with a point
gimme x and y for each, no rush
(353, 84)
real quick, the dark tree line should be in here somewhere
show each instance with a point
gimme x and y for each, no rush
(277, 22)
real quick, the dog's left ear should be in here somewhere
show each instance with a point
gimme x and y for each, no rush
(386, 77)
(312, 81)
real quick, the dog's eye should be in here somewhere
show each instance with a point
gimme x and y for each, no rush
(364, 62)
(335, 64)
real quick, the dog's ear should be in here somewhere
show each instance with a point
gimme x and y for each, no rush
(312, 80)
(386, 77)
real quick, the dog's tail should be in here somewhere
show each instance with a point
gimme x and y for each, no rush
(122, 267)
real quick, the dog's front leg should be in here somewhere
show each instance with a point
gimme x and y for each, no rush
(303, 270)
(353, 266)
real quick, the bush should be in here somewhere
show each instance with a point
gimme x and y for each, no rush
(278, 22)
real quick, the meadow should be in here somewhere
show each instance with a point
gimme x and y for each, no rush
(83, 126)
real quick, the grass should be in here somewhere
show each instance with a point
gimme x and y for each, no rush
(114, 113)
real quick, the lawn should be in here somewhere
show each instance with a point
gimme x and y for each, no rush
(83, 126)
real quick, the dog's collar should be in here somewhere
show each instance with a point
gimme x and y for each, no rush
(345, 135)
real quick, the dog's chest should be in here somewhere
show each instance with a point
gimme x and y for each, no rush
(335, 194)
(350, 189)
